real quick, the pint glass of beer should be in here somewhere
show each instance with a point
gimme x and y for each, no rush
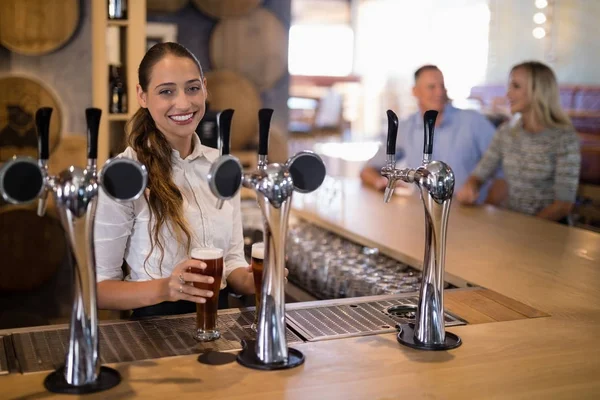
(206, 313)
(258, 256)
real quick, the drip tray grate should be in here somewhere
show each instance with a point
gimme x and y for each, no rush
(45, 350)
(356, 318)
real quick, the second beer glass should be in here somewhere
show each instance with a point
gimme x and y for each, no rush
(258, 255)
(206, 313)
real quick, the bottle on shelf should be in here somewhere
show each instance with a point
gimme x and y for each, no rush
(117, 9)
(117, 91)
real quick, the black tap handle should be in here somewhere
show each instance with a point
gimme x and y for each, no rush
(264, 124)
(392, 133)
(225, 118)
(42, 122)
(429, 125)
(92, 116)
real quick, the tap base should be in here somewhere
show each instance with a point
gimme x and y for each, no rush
(248, 358)
(108, 378)
(406, 337)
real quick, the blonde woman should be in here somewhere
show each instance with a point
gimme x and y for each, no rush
(539, 153)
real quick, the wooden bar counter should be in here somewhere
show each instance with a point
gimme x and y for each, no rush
(545, 266)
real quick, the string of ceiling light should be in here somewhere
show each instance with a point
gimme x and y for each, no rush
(543, 20)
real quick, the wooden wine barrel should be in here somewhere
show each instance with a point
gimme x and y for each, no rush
(21, 97)
(32, 248)
(226, 8)
(35, 27)
(254, 46)
(166, 6)
(227, 89)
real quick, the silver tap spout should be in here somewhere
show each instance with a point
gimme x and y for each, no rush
(271, 343)
(274, 187)
(435, 181)
(262, 161)
(76, 192)
(48, 184)
(436, 186)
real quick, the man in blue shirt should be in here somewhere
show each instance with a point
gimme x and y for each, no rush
(461, 137)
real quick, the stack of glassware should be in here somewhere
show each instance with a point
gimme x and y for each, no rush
(330, 267)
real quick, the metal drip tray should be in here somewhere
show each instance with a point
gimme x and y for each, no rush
(45, 350)
(356, 318)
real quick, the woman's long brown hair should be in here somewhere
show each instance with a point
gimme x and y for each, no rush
(154, 151)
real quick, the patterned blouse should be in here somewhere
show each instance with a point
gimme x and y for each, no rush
(538, 167)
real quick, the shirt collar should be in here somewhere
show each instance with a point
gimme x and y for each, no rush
(199, 151)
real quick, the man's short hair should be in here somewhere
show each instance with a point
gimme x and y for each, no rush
(428, 67)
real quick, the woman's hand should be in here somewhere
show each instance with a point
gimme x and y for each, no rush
(468, 194)
(180, 283)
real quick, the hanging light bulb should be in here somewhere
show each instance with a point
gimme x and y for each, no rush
(539, 32)
(539, 18)
(541, 3)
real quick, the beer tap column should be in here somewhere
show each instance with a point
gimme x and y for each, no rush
(274, 185)
(271, 344)
(75, 191)
(82, 361)
(24, 180)
(435, 181)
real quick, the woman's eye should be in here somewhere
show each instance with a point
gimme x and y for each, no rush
(194, 88)
(165, 91)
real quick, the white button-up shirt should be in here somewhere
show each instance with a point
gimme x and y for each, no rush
(122, 230)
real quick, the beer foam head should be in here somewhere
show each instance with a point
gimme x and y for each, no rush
(206, 253)
(258, 250)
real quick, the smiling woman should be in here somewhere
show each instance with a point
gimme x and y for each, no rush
(156, 233)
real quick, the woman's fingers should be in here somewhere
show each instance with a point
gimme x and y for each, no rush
(195, 277)
(186, 265)
(197, 292)
(193, 299)
(188, 292)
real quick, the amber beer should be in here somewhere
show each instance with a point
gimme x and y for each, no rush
(258, 257)
(206, 313)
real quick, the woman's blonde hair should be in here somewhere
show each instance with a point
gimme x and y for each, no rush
(154, 151)
(544, 94)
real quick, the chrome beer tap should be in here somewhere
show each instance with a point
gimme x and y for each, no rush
(224, 124)
(75, 192)
(435, 181)
(274, 185)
